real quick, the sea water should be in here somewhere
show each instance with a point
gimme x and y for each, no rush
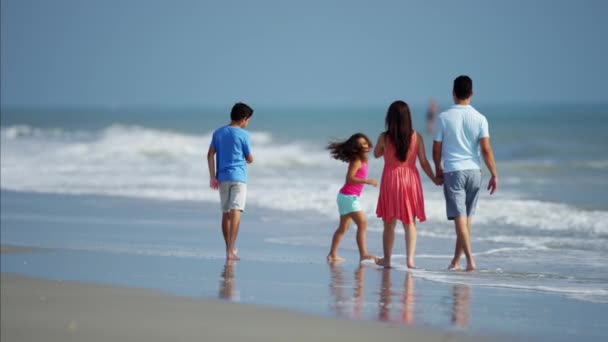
(545, 230)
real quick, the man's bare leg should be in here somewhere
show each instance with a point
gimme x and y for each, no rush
(226, 228)
(459, 249)
(463, 232)
(410, 243)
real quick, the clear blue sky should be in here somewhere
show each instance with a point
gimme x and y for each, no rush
(174, 53)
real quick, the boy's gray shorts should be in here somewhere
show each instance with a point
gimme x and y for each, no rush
(461, 190)
(233, 196)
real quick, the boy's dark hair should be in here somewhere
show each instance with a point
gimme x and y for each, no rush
(399, 128)
(240, 111)
(463, 87)
(349, 149)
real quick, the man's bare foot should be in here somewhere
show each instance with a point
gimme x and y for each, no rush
(334, 259)
(384, 263)
(368, 257)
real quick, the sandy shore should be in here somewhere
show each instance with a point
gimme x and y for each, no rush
(44, 310)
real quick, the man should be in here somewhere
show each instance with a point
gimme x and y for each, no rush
(460, 133)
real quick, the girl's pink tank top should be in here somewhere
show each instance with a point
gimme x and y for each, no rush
(355, 189)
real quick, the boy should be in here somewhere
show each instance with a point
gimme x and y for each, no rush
(231, 143)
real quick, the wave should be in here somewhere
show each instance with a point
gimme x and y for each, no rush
(289, 176)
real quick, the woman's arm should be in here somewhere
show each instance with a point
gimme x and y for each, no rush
(424, 163)
(379, 149)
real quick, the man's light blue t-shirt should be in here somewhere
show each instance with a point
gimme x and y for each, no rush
(459, 130)
(232, 145)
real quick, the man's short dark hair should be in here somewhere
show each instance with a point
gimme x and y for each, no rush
(240, 111)
(463, 87)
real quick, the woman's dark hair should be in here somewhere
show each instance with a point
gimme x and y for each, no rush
(399, 128)
(240, 111)
(348, 150)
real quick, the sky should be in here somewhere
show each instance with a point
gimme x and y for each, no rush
(317, 52)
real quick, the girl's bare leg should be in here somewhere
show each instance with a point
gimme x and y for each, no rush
(410, 243)
(335, 241)
(388, 239)
(359, 219)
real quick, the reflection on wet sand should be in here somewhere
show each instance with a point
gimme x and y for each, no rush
(407, 299)
(342, 303)
(228, 289)
(460, 305)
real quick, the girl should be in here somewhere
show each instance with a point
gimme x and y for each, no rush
(354, 152)
(400, 195)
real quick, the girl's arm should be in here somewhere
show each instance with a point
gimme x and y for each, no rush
(424, 163)
(379, 149)
(353, 167)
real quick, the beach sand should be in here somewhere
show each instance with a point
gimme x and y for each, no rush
(45, 310)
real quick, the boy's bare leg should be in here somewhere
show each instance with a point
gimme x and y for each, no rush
(335, 241)
(235, 221)
(226, 227)
(388, 239)
(410, 243)
(359, 219)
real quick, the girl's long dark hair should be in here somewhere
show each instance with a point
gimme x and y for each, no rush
(399, 128)
(350, 149)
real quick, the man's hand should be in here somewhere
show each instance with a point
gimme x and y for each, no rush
(213, 184)
(493, 184)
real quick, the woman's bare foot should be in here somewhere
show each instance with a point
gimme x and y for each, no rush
(368, 257)
(471, 266)
(411, 265)
(384, 263)
(334, 259)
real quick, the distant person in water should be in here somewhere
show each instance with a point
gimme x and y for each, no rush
(231, 146)
(431, 112)
(400, 197)
(353, 151)
(460, 133)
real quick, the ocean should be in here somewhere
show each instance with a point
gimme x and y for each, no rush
(543, 235)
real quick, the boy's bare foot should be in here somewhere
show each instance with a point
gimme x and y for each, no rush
(232, 256)
(334, 259)
(384, 263)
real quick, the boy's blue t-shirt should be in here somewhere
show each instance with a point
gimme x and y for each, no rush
(232, 145)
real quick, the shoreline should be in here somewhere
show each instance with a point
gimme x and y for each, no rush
(37, 309)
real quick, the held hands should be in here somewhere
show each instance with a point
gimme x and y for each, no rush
(371, 182)
(213, 184)
(438, 180)
(493, 184)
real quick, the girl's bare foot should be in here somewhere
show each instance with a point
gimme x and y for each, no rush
(454, 267)
(384, 263)
(334, 259)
